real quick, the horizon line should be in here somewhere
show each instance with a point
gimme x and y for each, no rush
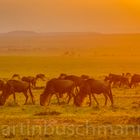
(36, 32)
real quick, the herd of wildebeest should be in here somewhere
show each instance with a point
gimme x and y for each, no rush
(67, 87)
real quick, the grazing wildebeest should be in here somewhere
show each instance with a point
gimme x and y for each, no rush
(57, 87)
(135, 80)
(91, 87)
(1, 84)
(124, 82)
(115, 79)
(13, 86)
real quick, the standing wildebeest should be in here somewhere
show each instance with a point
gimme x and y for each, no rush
(76, 79)
(16, 76)
(135, 80)
(117, 79)
(41, 76)
(13, 86)
(30, 79)
(91, 87)
(57, 87)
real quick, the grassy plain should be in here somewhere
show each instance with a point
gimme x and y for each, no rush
(27, 122)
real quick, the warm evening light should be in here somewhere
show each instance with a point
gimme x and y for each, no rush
(70, 69)
(70, 15)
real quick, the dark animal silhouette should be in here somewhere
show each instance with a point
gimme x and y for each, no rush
(41, 76)
(85, 77)
(30, 79)
(91, 87)
(115, 79)
(13, 86)
(57, 87)
(16, 76)
(135, 80)
(1, 84)
(76, 79)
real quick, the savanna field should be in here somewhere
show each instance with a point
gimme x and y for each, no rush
(27, 122)
(69, 69)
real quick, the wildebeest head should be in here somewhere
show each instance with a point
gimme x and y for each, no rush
(45, 98)
(5, 94)
(42, 99)
(79, 98)
(2, 100)
(84, 90)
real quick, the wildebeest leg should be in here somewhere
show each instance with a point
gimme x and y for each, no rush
(69, 99)
(49, 100)
(105, 99)
(57, 96)
(95, 99)
(120, 84)
(90, 100)
(31, 95)
(32, 98)
(76, 88)
(70, 95)
(14, 96)
(110, 97)
(26, 96)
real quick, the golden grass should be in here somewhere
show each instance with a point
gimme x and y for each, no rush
(125, 112)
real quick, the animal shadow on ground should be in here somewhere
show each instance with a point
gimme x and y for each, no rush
(47, 113)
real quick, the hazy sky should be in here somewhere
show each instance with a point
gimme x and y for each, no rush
(70, 15)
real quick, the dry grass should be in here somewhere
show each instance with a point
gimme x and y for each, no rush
(125, 112)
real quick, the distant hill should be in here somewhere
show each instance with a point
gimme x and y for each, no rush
(19, 33)
(30, 42)
(32, 33)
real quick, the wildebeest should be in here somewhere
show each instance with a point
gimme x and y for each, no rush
(91, 87)
(13, 86)
(115, 79)
(41, 76)
(85, 77)
(135, 80)
(76, 79)
(16, 76)
(1, 84)
(30, 79)
(57, 87)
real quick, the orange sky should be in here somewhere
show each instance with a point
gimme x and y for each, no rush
(109, 16)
